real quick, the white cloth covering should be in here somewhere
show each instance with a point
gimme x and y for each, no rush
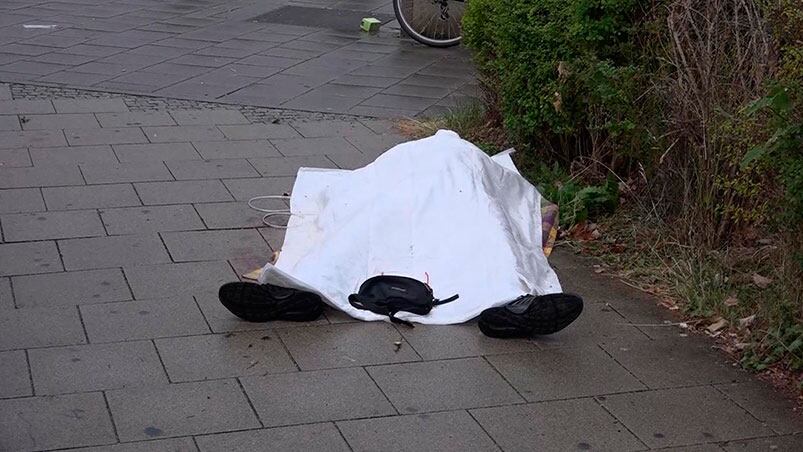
(436, 209)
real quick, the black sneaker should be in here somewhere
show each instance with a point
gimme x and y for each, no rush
(531, 315)
(264, 302)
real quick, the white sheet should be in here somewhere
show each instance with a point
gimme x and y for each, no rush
(436, 209)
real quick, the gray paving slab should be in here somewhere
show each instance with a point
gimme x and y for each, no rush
(21, 200)
(258, 131)
(330, 128)
(684, 416)
(10, 122)
(322, 437)
(37, 138)
(345, 345)
(14, 374)
(180, 409)
(288, 166)
(231, 215)
(222, 321)
(448, 431)
(236, 149)
(141, 220)
(89, 105)
(579, 424)
(112, 135)
(215, 356)
(145, 171)
(213, 245)
(458, 341)
(598, 324)
(73, 155)
(18, 227)
(211, 169)
(167, 280)
(135, 119)
(155, 152)
(117, 251)
(90, 197)
(29, 258)
(60, 121)
(133, 320)
(40, 327)
(6, 295)
(314, 146)
(95, 367)
(791, 442)
(375, 145)
(675, 362)
(25, 106)
(208, 117)
(38, 423)
(183, 192)
(294, 398)
(162, 134)
(70, 288)
(159, 445)
(770, 407)
(572, 372)
(443, 385)
(245, 189)
(350, 161)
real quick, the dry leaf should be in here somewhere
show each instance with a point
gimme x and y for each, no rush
(761, 281)
(716, 326)
(731, 301)
(747, 321)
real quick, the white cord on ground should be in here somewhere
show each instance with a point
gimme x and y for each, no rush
(270, 212)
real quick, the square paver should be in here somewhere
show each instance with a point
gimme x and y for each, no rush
(155, 152)
(564, 373)
(60, 121)
(459, 341)
(114, 135)
(345, 345)
(40, 327)
(451, 430)
(310, 437)
(6, 297)
(40, 177)
(32, 138)
(677, 417)
(126, 172)
(139, 220)
(15, 158)
(14, 374)
(180, 409)
(95, 367)
(182, 192)
(443, 385)
(214, 245)
(666, 363)
(561, 425)
(215, 356)
(42, 423)
(70, 288)
(132, 320)
(236, 149)
(164, 134)
(211, 169)
(20, 227)
(25, 106)
(21, 200)
(167, 280)
(9, 122)
(297, 398)
(90, 197)
(29, 258)
(102, 252)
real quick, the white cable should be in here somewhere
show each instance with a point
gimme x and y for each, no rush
(270, 212)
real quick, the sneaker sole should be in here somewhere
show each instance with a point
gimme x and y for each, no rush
(254, 303)
(503, 323)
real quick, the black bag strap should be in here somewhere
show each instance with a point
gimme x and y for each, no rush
(445, 300)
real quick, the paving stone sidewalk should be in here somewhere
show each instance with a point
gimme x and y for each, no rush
(225, 50)
(119, 222)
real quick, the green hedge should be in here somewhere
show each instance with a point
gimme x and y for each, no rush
(562, 69)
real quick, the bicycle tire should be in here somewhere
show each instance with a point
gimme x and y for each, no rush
(404, 22)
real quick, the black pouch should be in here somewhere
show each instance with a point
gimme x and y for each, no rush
(388, 294)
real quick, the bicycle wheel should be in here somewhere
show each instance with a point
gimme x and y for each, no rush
(432, 22)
